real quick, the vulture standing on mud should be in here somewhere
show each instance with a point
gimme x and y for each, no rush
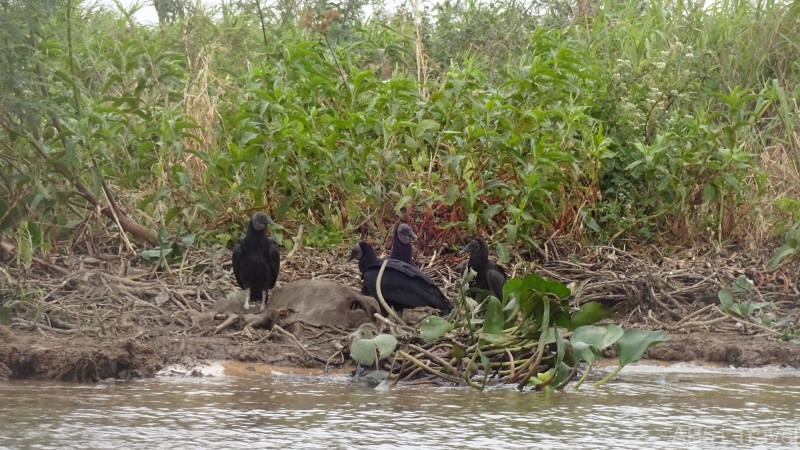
(401, 244)
(489, 276)
(403, 285)
(256, 260)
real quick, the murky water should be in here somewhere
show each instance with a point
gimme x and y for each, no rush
(643, 410)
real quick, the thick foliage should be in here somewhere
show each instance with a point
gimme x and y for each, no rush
(636, 118)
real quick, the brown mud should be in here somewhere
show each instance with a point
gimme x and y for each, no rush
(31, 355)
(727, 349)
(35, 356)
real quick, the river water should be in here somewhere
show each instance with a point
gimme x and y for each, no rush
(653, 408)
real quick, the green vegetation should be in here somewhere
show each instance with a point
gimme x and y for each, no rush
(367, 346)
(661, 121)
(520, 339)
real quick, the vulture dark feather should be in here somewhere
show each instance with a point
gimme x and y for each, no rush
(490, 276)
(401, 248)
(401, 243)
(403, 285)
(257, 260)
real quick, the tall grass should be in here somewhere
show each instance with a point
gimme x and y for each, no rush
(657, 121)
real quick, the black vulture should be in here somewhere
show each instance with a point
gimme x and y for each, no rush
(401, 244)
(401, 248)
(490, 276)
(403, 285)
(256, 260)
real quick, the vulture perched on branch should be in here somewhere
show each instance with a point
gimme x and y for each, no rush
(490, 276)
(257, 261)
(403, 285)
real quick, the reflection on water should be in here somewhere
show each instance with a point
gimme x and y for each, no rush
(280, 411)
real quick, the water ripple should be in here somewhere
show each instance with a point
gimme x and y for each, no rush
(696, 412)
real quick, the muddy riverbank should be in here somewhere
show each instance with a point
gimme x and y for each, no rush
(88, 318)
(26, 355)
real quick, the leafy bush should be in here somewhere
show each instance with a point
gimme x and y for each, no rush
(629, 118)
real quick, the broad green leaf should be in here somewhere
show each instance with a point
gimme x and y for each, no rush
(401, 203)
(725, 298)
(487, 365)
(451, 195)
(493, 321)
(498, 339)
(363, 351)
(155, 253)
(286, 204)
(529, 305)
(472, 219)
(561, 348)
(510, 307)
(434, 327)
(633, 343)
(589, 340)
(589, 221)
(97, 180)
(540, 285)
(188, 240)
(731, 181)
(410, 143)
(742, 284)
(561, 374)
(425, 125)
(36, 234)
(171, 214)
(759, 305)
(492, 211)
(247, 136)
(540, 378)
(512, 286)
(782, 253)
(511, 229)
(591, 313)
(709, 193)
(386, 344)
(562, 319)
(224, 238)
(548, 335)
(503, 255)
(664, 182)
